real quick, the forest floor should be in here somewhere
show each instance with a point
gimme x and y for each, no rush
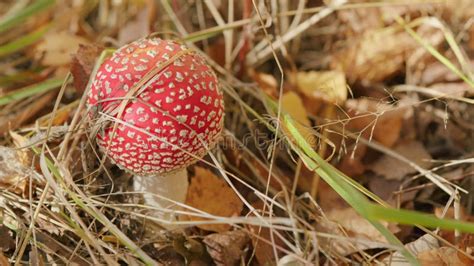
(348, 135)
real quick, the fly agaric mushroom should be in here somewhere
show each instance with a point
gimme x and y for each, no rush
(160, 109)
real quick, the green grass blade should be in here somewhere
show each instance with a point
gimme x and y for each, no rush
(14, 19)
(346, 190)
(432, 50)
(23, 42)
(370, 211)
(417, 218)
(25, 92)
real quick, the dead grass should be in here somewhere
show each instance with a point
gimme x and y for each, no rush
(65, 202)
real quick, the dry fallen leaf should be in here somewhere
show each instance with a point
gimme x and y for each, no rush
(227, 248)
(254, 168)
(355, 224)
(375, 56)
(293, 105)
(356, 227)
(392, 168)
(15, 172)
(434, 72)
(83, 62)
(36, 258)
(424, 243)
(266, 82)
(444, 256)
(347, 223)
(6, 239)
(54, 246)
(137, 28)
(3, 260)
(374, 119)
(351, 163)
(329, 199)
(210, 194)
(359, 20)
(449, 235)
(57, 47)
(383, 187)
(456, 89)
(261, 239)
(320, 87)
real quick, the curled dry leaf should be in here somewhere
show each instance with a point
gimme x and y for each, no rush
(227, 248)
(210, 194)
(356, 225)
(376, 120)
(423, 244)
(346, 223)
(392, 168)
(83, 62)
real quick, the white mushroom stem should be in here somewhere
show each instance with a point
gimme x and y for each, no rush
(162, 191)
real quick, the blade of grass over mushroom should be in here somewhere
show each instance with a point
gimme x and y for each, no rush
(432, 50)
(23, 42)
(13, 20)
(34, 89)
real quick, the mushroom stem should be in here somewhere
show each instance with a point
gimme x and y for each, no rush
(171, 187)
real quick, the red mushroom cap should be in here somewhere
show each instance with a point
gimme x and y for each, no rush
(169, 120)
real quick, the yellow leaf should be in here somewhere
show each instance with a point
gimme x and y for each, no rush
(212, 195)
(329, 86)
(293, 105)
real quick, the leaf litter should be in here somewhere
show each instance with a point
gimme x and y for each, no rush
(367, 96)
